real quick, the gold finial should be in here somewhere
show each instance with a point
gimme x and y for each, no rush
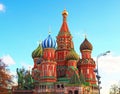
(85, 36)
(39, 42)
(64, 12)
(49, 31)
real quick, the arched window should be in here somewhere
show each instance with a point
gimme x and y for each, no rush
(62, 86)
(63, 72)
(58, 86)
(58, 73)
(70, 92)
(76, 92)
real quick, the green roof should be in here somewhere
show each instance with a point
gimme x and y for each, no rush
(72, 55)
(82, 78)
(73, 68)
(74, 79)
(63, 79)
(48, 77)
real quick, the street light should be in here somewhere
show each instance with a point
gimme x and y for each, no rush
(96, 70)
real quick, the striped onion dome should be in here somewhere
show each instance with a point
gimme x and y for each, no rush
(86, 45)
(72, 55)
(37, 52)
(49, 43)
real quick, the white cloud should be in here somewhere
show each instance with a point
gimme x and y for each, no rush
(26, 66)
(106, 85)
(78, 35)
(2, 7)
(110, 64)
(7, 59)
(109, 70)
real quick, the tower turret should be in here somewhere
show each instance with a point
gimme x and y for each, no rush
(36, 54)
(86, 65)
(86, 48)
(48, 65)
(64, 37)
(64, 45)
(72, 58)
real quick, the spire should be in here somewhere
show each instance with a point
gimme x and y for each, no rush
(64, 27)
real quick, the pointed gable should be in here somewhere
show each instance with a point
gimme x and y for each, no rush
(74, 79)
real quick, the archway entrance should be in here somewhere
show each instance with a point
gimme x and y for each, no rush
(70, 92)
(76, 92)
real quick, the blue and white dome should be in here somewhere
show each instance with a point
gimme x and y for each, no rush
(49, 43)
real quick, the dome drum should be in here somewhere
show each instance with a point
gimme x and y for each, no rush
(49, 54)
(72, 63)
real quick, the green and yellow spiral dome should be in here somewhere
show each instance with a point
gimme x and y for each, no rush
(37, 53)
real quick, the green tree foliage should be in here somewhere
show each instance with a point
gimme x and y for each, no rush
(25, 80)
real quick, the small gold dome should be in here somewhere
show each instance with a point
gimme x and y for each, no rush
(64, 12)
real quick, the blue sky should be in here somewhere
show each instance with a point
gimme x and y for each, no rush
(24, 22)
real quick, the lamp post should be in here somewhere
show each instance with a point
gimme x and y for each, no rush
(96, 70)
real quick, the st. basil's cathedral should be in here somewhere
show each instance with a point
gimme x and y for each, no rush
(58, 69)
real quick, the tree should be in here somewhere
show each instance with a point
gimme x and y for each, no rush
(25, 80)
(114, 89)
(5, 78)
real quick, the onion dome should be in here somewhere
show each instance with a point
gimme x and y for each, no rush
(49, 43)
(86, 45)
(72, 55)
(37, 52)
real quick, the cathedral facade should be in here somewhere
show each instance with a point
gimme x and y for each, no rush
(59, 70)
